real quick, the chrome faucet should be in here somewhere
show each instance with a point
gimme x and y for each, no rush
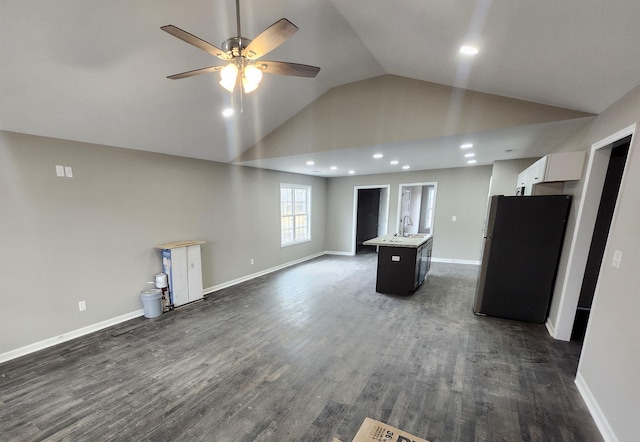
(406, 222)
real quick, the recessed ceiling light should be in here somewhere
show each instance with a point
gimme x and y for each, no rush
(393, 162)
(471, 162)
(468, 50)
(227, 112)
(377, 156)
(310, 163)
(406, 166)
(334, 168)
(466, 146)
(469, 155)
(351, 172)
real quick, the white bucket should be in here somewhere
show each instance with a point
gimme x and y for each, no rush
(161, 280)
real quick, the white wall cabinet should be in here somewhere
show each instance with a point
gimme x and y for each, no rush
(182, 262)
(546, 175)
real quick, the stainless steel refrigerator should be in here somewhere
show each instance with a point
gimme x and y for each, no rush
(522, 244)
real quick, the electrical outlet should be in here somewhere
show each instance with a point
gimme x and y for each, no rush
(68, 172)
(59, 170)
(82, 305)
(251, 261)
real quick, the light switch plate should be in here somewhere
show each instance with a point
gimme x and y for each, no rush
(617, 257)
(59, 170)
(68, 172)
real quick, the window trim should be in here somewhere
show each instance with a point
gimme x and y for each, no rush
(433, 184)
(308, 189)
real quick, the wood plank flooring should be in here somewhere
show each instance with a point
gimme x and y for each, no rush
(304, 354)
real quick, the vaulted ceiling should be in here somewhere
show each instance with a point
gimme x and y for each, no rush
(96, 71)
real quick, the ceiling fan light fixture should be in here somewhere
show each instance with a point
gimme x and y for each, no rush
(241, 54)
(248, 87)
(251, 77)
(228, 76)
(253, 73)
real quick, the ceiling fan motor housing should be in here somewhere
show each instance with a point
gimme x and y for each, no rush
(235, 46)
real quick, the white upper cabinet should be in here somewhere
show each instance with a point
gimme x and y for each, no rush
(538, 170)
(552, 168)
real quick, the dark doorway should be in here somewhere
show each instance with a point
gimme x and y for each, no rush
(367, 219)
(613, 178)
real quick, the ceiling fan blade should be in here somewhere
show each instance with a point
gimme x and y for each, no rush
(270, 38)
(194, 72)
(285, 68)
(195, 41)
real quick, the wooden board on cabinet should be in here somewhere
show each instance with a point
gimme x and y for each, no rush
(176, 244)
(565, 166)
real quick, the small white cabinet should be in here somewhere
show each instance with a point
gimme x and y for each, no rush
(538, 171)
(553, 169)
(181, 261)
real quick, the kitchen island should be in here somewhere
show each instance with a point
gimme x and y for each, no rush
(403, 262)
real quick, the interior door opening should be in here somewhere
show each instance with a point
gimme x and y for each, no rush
(613, 178)
(371, 213)
(571, 283)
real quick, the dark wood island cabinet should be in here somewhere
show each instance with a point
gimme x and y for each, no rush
(403, 262)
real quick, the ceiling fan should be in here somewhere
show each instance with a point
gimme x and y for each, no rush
(243, 54)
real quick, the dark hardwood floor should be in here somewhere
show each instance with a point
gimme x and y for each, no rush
(304, 354)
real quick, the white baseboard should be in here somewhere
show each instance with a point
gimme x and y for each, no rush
(552, 332)
(456, 261)
(330, 252)
(233, 282)
(31, 348)
(22, 351)
(550, 329)
(596, 413)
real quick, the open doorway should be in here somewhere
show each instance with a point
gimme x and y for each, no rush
(371, 207)
(416, 208)
(615, 169)
(582, 238)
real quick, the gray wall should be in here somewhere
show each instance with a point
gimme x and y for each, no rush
(611, 354)
(607, 373)
(575, 189)
(461, 192)
(92, 237)
(504, 177)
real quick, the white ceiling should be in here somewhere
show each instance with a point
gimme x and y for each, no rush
(96, 71)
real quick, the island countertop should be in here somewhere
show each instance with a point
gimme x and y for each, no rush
(411, 241)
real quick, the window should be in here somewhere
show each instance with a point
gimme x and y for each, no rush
(431, 202)
(416, 207)
(295, 214)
